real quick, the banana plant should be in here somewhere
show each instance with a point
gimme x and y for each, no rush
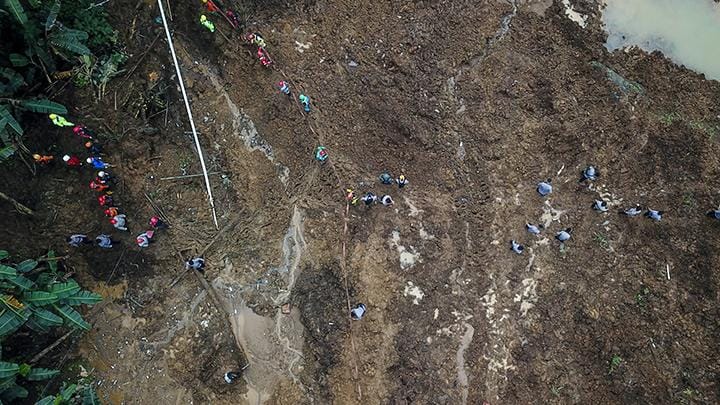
(10, 390)
(72, 394)
(40, 298)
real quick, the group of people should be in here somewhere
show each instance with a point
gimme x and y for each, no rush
(102, 183)
(590, 174)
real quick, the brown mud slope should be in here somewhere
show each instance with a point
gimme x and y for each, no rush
(475, 103)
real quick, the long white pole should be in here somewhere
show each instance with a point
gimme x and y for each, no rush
(189, 113)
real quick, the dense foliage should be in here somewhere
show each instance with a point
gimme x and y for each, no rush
(37, 295)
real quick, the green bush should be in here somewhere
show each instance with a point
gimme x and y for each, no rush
(81, 15)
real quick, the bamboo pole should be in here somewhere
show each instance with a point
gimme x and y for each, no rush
(189, 113)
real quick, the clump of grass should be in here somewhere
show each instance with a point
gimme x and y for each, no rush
(641, 297)
(615, 362)
(602, 240)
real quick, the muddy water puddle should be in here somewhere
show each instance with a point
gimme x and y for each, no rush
(686, 31)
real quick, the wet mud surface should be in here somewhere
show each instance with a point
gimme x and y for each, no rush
(474, 103)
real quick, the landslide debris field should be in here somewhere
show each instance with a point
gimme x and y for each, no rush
(475, 102)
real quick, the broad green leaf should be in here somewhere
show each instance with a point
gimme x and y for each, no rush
(36, 327)
(39, 298)
(24, 369)
(68, 392)
(22, 313)
(6, 383)
(5, 113)
(34, 3)
(90, 397)
(17, 11)
(39, 374)
(22, 282)
(9, 322)
(6, 152)
(4, 254)
(8, 369)
(13, 393)
(44, 106)
(51, 262)
(49, 400)
(73, 317)
(66, 289)
(45, 318)
(25, 266)
(52, 16)
(83, 297)
(69, 33)
(18, 60)
(7, 271)
(70, 44)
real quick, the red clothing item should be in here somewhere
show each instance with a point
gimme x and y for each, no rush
(74, 161)
(211, 7)
(105, 200)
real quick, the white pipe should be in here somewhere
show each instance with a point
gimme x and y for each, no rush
(189, 113)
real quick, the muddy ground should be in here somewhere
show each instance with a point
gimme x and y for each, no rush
(475, 103)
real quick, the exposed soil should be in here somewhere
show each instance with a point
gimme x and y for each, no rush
(474, 103)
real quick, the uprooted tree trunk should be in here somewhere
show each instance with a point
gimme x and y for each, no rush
(19, 207)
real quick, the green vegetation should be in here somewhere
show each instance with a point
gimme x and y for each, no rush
(601, 240)
(39, 45)
(642, 296)
(35, 294)
(615, 363)
(669, 118)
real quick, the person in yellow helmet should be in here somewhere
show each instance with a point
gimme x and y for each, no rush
(402, 181)
(207, 23)
(60, 121)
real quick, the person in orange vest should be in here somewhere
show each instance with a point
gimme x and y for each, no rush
(111, 212)
(42, 159)
(97, 186)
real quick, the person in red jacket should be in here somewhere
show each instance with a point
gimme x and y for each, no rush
(98, 186)
(72, 161)
(105, 200)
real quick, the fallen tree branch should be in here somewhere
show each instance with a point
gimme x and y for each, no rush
(21, 208)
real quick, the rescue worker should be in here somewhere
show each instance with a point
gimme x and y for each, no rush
(564, 235)
(97, 162)
(369, 199)
(358, 312)
(633, 212)
(157, 223)
(104, 241)
(305, 101)
(83, 131)
(196, 263)
(111, 212)
(402, 181)
(105, 176)
(351, 197)
(232, 376)
(544, 188)
(516, 247)
(93, 147)
(143, 240)
(386, 178)
(264, 57)
(72, 161)
(119, 222)
(98, 186)
(105, 200)
(715, 214)
(78, 239)
(207, 23)
(654, 215)
(211, 7)
(386, 200)
(255, 39)
(60, 121)
(321, 154)
(283, 87)
(42, 159)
